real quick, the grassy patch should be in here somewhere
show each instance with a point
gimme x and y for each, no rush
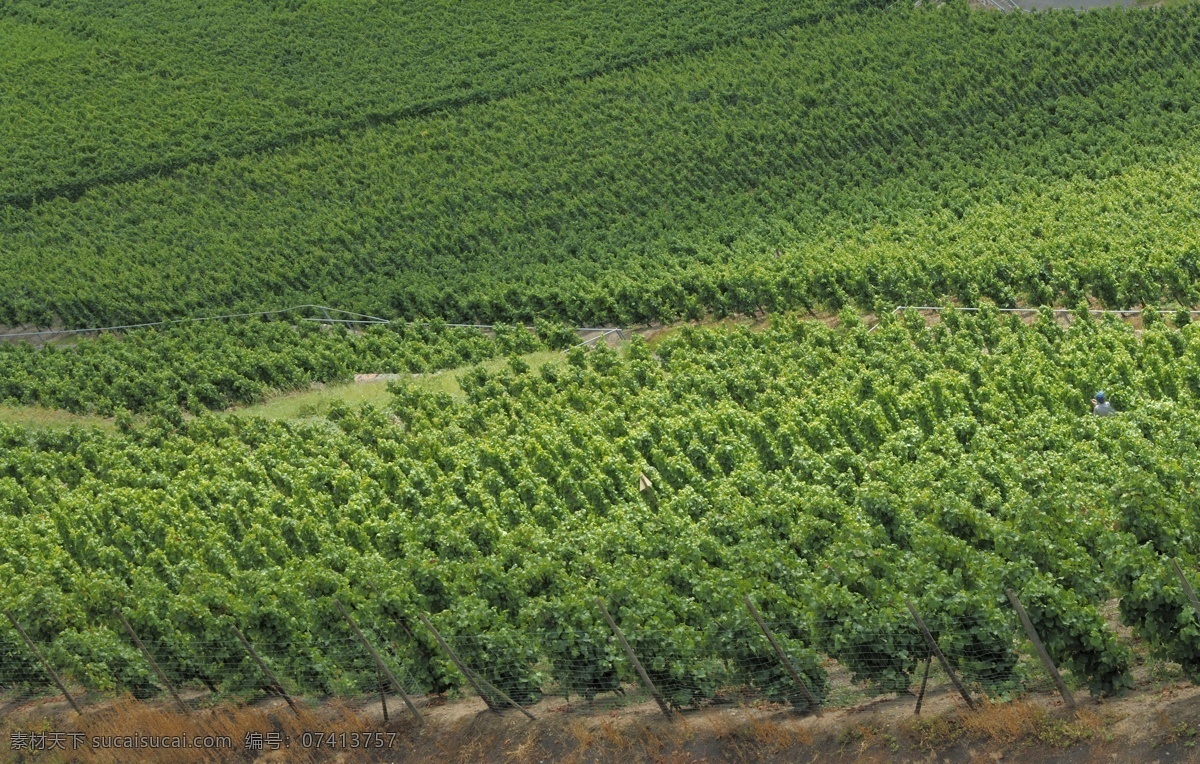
(1162, 3)
(1007, 724)
(753, 323)
(36, 417)
(933, 732)
(315, 402)
(447, 381)
(299, 404)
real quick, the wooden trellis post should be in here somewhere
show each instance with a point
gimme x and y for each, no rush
(476, 681)
(1051, 669)
(37, 653)
(937, 651)
(924, 681)
(658, 698)
(266, 671)
(382, 696)
(1187, 588)
(150, 659)
(787, 662)
(380, 666)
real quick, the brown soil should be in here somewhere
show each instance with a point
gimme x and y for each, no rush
(1159, 726)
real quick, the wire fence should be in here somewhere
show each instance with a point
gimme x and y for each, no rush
(795, 664)
(1059, 313)
(327, 315)
(1123, 313)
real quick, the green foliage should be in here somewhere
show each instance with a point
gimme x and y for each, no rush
(515, 339)
(1077, 636)
(833, 474)
(849, 156)
(555, 336)
(582, 651)
(756, 664)
(218, 364)
(1154, 601)
(112, 93)
(103, 660)
(18, 667)
(491, 648)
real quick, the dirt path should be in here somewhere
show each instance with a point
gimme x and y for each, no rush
(1145, 727)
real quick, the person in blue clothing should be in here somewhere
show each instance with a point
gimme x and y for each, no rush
(1101, 406)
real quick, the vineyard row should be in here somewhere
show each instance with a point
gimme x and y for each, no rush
(871, 158)
(740, 674)
(177, 84)
(199, 366)
(832, 473)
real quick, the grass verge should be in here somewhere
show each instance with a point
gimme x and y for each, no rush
(38, 418)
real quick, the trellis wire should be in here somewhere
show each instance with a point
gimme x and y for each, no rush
(518, 662)
(367, 319)
(1094, 312)
(359, 318)
(1125, 313)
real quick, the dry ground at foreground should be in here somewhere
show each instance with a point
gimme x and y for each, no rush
(1162, 726)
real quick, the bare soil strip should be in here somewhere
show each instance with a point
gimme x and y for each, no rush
(1146, 726)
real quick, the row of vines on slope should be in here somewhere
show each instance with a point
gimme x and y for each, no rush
(104, 92)
(212, 365)
(831, 473)
(897, 156)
